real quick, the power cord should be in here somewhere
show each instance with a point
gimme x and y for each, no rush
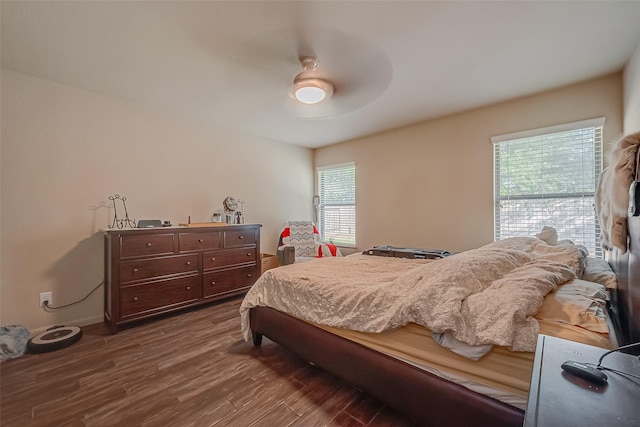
(604, 368)
(624, 347)
(46, 303)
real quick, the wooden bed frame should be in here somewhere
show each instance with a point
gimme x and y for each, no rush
(427, 398)
(625, 302)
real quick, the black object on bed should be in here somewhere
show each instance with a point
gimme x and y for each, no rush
(413, 253)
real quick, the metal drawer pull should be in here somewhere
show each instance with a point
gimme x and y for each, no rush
(135, 299)
(241, 237)
(248, 253)
(148, 244)
(135, 270)
(213, 259)
(249, 275)
(188, 288)
(200, 240)
(188, 262)
(213, 283)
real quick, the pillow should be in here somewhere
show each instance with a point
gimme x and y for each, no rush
(579, 303)
(302, 238)
(598, 270)
(549, 235)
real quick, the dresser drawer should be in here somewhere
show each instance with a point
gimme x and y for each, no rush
(227, 281)
(239, 238)
(157, 244)
(143, 269)
(138, 300)
(229, 257)
(199, 241)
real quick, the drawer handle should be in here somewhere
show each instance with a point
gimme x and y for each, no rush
(213, 283)
(240, 237)
(200, 240)
(248, 253)
(135, 299)
(249, 275)
(135, 270)
(188, 288)
(213, 259)
(188, 262)
(148, 245)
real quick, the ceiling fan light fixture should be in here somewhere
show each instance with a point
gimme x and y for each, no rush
(312, 90)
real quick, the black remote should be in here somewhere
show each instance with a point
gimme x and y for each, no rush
(587, 372)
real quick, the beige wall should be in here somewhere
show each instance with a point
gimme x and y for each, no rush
(632, 93)
(65, 150)
(431, 184)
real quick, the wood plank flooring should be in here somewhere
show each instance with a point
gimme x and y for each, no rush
(191, 369)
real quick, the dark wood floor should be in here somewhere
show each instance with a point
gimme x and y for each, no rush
(192, 369)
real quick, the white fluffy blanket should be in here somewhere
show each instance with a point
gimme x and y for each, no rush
(483, 296)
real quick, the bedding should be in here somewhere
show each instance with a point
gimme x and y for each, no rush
(485, 296)
(578, 303)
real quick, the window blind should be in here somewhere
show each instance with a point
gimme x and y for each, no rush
(548, 177)
(337, 191)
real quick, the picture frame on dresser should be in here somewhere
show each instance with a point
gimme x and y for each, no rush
(154, 271)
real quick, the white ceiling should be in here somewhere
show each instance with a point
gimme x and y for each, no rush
(393, 63)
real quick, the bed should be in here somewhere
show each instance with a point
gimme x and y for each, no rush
(391, 367)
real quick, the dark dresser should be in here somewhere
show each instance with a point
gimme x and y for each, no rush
(153, 271)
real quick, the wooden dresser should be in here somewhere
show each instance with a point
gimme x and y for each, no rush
(153, 271)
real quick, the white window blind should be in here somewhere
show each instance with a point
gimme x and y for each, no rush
(337, 191)
(548, 177)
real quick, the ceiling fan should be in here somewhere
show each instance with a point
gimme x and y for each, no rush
(307, 87)
(340, 72)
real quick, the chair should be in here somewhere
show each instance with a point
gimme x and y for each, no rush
(300, 242)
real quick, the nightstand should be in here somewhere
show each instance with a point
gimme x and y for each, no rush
(557, 398)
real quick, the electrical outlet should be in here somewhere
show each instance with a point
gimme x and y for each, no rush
(46, 296)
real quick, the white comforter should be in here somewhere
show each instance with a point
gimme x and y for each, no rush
(481, 297)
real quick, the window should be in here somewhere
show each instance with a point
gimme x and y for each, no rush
(548, 177)
(337, 207)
